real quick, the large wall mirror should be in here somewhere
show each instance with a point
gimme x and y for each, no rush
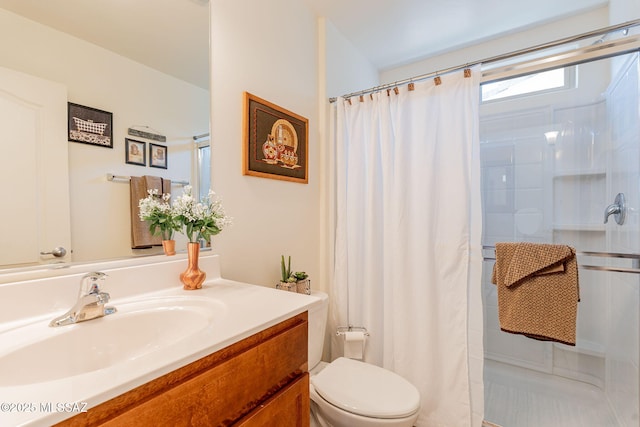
(146, 63)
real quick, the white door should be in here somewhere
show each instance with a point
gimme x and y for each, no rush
(34, 176)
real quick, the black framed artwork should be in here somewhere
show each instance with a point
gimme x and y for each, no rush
(89, 125)
(136, 153)
(157, 156)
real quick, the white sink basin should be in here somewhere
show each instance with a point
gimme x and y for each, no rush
(38, 353)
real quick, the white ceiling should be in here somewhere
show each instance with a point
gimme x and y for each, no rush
(395, 32)
(169, 35)
(173, 35)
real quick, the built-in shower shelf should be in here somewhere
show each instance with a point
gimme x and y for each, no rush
(591, 173)
(584, 347)
(579, 227)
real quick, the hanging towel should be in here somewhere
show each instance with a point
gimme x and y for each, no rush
(166, 185)
(141, 237)
(538, 290)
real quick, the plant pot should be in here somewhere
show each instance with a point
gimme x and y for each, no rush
(287, 286)
(169, 247)
(193, 278)
(303, 286)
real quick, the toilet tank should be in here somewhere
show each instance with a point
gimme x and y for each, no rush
(317, 324)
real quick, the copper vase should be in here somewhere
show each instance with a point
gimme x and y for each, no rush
(169, 247)
(192, 278)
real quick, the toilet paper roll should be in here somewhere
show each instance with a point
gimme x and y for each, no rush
(354, 344)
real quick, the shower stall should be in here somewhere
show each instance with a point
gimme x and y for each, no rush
(558, 144)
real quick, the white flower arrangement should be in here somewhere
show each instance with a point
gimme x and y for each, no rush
(195, 219)
(200, 219)
(155, 209)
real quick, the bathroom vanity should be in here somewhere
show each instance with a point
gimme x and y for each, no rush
(254, 382)
(228, 354)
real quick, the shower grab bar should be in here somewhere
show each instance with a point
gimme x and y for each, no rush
(635, 257)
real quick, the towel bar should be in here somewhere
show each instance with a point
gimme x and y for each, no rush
(112, 177)
(635, 257)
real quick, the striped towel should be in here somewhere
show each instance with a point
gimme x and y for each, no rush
(538, 290)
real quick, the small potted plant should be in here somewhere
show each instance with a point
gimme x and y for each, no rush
(287, 281)
(303, 283)
(293, 281)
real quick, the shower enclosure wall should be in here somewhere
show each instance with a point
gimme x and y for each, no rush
(551, 164)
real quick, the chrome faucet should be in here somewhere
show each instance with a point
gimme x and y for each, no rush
(90, 304)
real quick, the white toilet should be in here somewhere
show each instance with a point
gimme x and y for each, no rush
(351, 393)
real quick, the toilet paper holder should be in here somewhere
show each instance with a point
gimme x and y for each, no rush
(342, 329)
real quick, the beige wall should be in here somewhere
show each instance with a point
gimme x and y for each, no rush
(347, 69)
(136, 95)
(623, 11)
(298, 65)
(270, 50)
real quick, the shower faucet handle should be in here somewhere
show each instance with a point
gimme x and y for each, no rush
(618, 209)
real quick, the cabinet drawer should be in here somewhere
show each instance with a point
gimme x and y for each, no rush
(288, 408)
(225, 392)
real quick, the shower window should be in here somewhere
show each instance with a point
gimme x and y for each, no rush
(545, 81)
(203, 154)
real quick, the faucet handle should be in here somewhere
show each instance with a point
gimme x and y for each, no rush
(618, 209)
(90, 283)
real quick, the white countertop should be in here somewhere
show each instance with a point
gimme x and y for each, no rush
(247, 309)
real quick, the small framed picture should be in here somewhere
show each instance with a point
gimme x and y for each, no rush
(136, 152)
(157, 156)
(90, 125)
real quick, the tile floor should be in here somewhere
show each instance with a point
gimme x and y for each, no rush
(517, 397)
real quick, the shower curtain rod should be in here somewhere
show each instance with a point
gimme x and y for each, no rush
(594, 33)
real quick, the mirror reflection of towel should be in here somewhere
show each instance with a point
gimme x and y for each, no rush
(140, 235)
(538, 290)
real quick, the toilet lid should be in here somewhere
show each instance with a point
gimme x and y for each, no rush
(365, 389)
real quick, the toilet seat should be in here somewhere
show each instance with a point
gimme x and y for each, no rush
(365, 389)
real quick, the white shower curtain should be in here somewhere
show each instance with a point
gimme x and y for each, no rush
(407, 252)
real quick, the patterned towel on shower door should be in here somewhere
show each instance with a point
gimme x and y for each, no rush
(538, 290)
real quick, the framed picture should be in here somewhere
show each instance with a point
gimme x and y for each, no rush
(157, 156)
(275, 143)
(136, 152)
(90, 125)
